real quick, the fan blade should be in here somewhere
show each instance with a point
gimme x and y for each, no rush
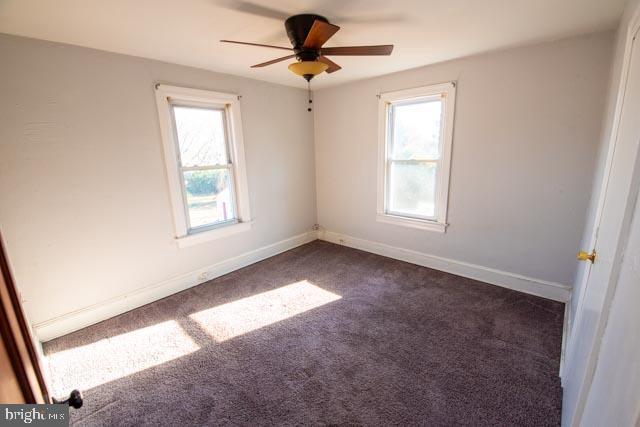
(273, 61)
(319, 33)
(358, 50)
(256, 44)
(333, 67)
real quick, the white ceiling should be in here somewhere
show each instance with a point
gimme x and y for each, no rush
(187, 31)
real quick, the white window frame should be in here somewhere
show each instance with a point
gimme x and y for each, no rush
(447, 93)
(166, 96)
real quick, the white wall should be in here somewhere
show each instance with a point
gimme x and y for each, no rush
(526, 133)
(84, 202)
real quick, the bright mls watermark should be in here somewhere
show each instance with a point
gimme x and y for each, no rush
(34, 415)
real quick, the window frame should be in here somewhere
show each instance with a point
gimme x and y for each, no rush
(446, 92)
(166, 97)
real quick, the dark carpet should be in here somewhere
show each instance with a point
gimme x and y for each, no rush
(366, 340)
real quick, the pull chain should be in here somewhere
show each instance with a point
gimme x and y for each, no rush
(309, 94)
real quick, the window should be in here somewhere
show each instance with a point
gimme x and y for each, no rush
(415, 136)
(202, 140)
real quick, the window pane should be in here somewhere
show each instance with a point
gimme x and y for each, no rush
(412, 189)
(416, 130)
(209, 199)
(200, 135)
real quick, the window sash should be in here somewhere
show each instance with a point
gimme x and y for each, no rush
(228, 166)
(225, 130)
(387, 203)
(390, 160)
(212, 225)
(391, 123)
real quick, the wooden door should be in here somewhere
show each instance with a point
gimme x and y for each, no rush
(21, 379)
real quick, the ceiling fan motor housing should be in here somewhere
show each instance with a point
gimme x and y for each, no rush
(298, 27)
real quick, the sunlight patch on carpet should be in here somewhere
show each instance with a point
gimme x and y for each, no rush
(116, 357)
(236, 318)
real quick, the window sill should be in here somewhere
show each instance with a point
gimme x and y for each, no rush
(421, 224)
(216, 233)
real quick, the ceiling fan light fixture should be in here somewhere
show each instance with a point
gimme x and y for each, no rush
(308, 34)
(308, 69)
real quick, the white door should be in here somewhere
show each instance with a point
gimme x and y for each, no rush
(615, 211)
(617, 377)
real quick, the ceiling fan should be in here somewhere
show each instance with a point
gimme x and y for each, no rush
(308, 33)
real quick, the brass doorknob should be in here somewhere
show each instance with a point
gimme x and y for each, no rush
(585, 256)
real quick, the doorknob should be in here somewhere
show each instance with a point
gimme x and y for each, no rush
(585, 256)
(74, 400)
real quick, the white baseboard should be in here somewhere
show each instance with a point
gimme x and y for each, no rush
(530, 285)
(95, 313)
